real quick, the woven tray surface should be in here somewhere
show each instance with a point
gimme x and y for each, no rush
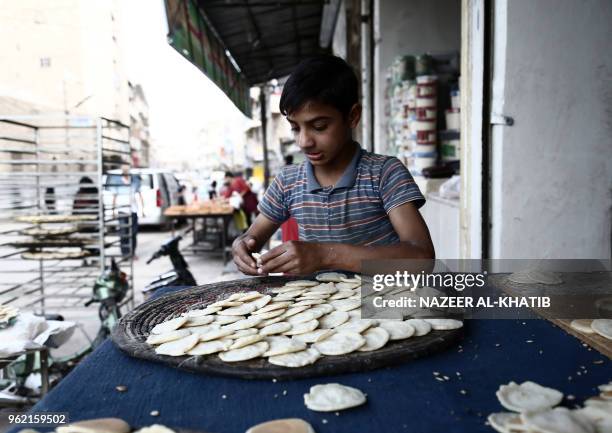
(133, 329)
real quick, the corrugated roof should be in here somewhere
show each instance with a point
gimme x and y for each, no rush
(266, 38)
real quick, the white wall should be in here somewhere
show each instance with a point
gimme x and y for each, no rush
(552, 171)
(410, 27)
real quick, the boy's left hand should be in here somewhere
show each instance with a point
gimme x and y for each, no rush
(293, 257)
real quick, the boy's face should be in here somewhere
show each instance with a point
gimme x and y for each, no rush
(321, 131)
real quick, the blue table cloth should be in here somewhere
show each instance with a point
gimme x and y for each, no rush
(404, 398)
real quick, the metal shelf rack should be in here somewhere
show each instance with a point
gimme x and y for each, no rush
(56, 167)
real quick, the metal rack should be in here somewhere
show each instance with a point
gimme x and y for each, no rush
(44, 163)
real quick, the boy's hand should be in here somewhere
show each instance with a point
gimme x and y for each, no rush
(293, 257)
(242, 248)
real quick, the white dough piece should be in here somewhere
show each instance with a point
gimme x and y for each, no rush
(544, 277)
(582, 325)
(397, 330)
(155, 339)
(243, 333)
(308, 302)
(270, 314)
(333, 319)
(346, 304)
(557, 420)
(241, 310)
(249, 322)
(287, 296)
(155, 428)
(294, 310)
(313, 295)
(325, 288)
(421, 327)
(607, 387)
(375, 339)
(602, 408)
(198, 321)
(280, 345)
(503, 422)
(286, 289)
(333, 397)
(302, 327)
(248, 296)
(334, 277)
(215, 334)
(296, 359)
(202, 312)
(261, 302)
(520, 277)
(603, 327)
(356, 279)
(340, 343)
(224, 320)
(268, 322)
(169, 325)
(274, 306)
(178, 347)
(275, 328)
(209, 347)
(324, 308)
(528, 396)
(302, 283)
(356, 325)
(226, 303)
(244, 353)
(245, 341)
(204, 328)
(342, 294)
(347, 286)
(305, 316)
(314, 336)
(444, 324)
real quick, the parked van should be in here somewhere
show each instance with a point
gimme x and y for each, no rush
(159, 190)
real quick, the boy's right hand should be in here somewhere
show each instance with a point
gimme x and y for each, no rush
(242, 248)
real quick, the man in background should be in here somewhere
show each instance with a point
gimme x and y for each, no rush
(126, 189)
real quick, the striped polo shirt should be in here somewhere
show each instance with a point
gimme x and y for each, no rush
(354, 211)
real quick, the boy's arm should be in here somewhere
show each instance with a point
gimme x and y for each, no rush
(255, 237)
(306, 257)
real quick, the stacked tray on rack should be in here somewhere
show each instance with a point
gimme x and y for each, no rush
(65, 242)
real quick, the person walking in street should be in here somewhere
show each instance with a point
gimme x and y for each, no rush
(126, 189)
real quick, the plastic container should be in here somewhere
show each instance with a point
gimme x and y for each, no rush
(426, 103)
(450, 150)
(453, 119)
(455, 98)
(424, 125)
(424, 148)
(426, 137)
(425, 113)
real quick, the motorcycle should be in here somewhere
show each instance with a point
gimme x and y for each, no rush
(110, 288)
(178, 276)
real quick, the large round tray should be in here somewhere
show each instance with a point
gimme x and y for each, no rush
(132, 330)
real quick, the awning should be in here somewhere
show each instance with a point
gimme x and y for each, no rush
(242, 43)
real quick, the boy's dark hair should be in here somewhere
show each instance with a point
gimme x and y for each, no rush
(326, 79)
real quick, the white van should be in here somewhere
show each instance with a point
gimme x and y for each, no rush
(159, 190)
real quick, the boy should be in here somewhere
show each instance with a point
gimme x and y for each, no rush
(350, 204)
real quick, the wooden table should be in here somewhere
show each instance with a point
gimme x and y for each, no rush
(204, 212)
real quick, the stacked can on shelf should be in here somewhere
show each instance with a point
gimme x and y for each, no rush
(449, 140)
(425, 124)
